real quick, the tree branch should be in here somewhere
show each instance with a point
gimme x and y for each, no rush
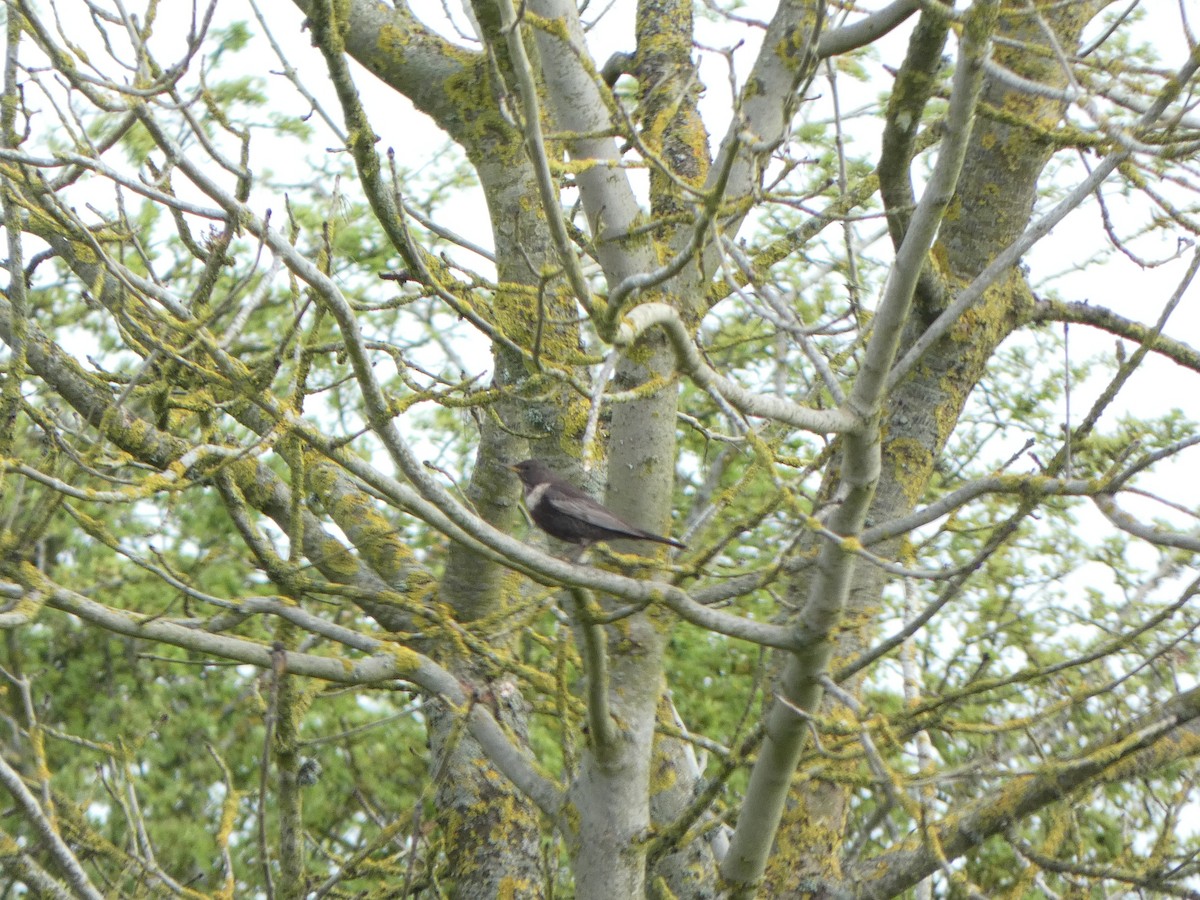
(643, 318)
(388, 661)
(1085, 313)
(1035, 232)
(1159, 738)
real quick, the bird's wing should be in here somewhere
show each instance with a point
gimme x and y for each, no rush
(589, 511)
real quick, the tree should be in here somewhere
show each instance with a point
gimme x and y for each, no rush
(275, 623)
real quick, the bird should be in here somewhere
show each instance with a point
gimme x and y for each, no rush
(565, 512)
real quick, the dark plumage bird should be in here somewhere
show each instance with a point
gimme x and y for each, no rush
(565, 512)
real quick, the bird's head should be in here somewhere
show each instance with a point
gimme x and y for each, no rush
(532, 472)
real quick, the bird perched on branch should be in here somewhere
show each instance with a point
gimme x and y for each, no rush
(565, 512)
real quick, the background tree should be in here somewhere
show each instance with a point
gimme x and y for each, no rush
(275, 625)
